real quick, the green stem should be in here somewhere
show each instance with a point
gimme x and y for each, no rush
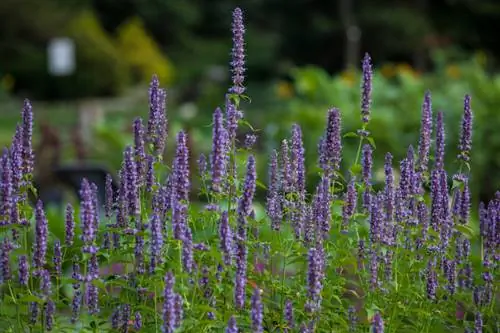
(358, 153)
(156, 314)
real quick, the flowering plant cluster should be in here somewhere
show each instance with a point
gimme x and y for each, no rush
(346, 258)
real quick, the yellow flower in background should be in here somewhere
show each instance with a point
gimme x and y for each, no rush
(348, 76)
(453, 71)
(388, 71)
(284, 90)
(7, 82)
(405, 69)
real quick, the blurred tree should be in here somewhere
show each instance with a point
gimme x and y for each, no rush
(142, 54)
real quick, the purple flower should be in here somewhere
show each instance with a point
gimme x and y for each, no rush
(374, 280)
(139, 152)
(378, 323)
(50, 309)
(139, 253)
(57, 259)
(179, 219)
(157, 130)
(33, 312)
(150, 174)
(377, 219)
(92, 298)
(169, 317)
(87, 216)
(245, 202)
(478, 323)
(220, 146)
(181, 181)
(330, 147)
(238, 53)
(273, 204)
(257, 312)
(226, 238)
(131, 182)
(440, 141)
(367, 162)
(23, 271)
(297, 160)
(6, 188)
(424, 144)
(125, 318)
(70, 225)
(286, 169)
(290, 324)
(137, 321)
(231, 326)
(202, 165)
(250, 140)
(389, 188)
(178, 310)
(233, 115)
(16, 157)
(241, 263)
(156, 242)
(45, 284)
(76, 304)
(465, 204)
(465, 144)
(5, 249)
(432, 282)
(187, 250)
(41, 234)
(28, 157)
(315, 277)
(366, 95)
(349, 207)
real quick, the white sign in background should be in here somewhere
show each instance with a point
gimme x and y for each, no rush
(61, 56)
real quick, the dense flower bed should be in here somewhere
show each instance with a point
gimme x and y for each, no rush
(345, 258)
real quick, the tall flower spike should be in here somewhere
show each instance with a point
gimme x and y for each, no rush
(349, 206)
(366, 96)
(297, 159)
(131, 182)
(139, 152)
(181, 181)
(41, 234)
(273, 204)
(330, 147)
(219, 156)
(157, 122)
(27, 152)
(226, 238)
(87, 216)
(238, 53)
(169, 317)
(6, 189)
(440, 141)
(70, 225)
(424, 144)
(108, 205)
(465, 144)
(245, 203)
(16, 156)
(367, 162)
(257, 312)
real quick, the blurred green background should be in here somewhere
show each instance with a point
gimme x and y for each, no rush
(303, 57)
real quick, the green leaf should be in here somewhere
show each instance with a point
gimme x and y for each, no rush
(356, 169)
(351, 135)
(372, 142)
(30, 298)
(466, 230)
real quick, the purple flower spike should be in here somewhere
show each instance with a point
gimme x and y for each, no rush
(366, 96)
(169, 317)
(315, 277)
(70, 225)
(367, 162)
(478, 323)
(273, 204)
(233, 115)
(16, 156)
(250, 140)
(350, 202)
(23, 271)
(88, 216)
(465, 204)
(424, 144)
(131, 182)
(139, 152)
(465, 144)
(157, 123)
(330, 146)
(246, 200)
(297, 160)
(6, 188)
(181, 181)
(257, 312)
(187, 250)
(137, 321)
(156, 242)
(108, 205)
(41, 234)
(28, 156)
(231, 326)
(57, 259)
(219, 156)
(290, 324)
(238, 53)
(440, 141)
(378, 324)
(226, 238)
